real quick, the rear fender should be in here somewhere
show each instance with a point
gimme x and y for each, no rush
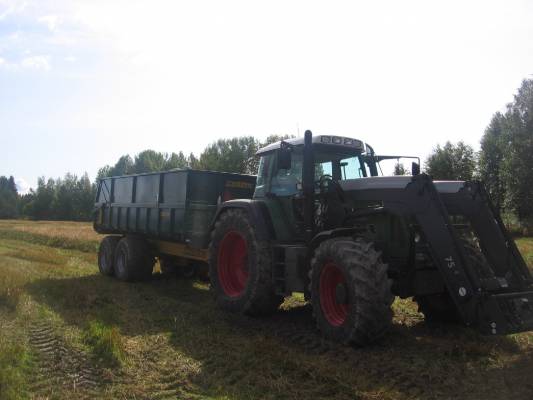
(258, 213)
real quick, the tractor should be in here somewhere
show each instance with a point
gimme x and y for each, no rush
(323, 222)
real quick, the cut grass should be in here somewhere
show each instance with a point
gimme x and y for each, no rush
(67, 235)
(105, 342)
(166, 339)
(15, 367)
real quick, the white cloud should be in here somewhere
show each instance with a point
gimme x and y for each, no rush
(70, 59)
(23, 187)
(8, 7)
(51, 21)
(36, 62)
(2, 61)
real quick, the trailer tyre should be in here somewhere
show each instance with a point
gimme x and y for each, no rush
(350, 291)
(106, 255)
(240, 266)
(133, 260)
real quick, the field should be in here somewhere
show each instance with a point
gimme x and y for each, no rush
(66, 332)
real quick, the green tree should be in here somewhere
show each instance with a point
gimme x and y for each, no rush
(41, 205)
(149, 161)
(124, 166)
(517, 165)
(494, 147)
(8, 198)
(452, 162)
(231, 155)
(70, 198)
(399, 169)
(176, 160)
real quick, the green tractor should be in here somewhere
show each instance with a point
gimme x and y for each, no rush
(322, 222)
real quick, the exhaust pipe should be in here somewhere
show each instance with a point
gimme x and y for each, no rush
(308, 183)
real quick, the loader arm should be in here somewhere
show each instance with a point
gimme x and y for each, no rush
(499, 304)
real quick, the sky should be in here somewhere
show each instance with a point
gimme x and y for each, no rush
(84, 82)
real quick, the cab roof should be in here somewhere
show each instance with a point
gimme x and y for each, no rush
(333, 143)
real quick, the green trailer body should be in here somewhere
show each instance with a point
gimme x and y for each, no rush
(174, 206)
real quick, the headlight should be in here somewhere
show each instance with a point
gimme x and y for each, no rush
(325, 139)
(348, 142)
(337, 140)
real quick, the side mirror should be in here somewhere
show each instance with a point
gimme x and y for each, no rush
(284, 158)
(415, 169)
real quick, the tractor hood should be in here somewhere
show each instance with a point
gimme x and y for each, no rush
(396, 182)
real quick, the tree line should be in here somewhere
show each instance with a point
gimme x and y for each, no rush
(71, 198)
(504, 163)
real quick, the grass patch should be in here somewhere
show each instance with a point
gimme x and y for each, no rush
(166, 338)
(10, 291)
(15, 366)
(50, 240)
(105, 342)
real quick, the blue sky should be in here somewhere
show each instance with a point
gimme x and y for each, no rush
(83, 82)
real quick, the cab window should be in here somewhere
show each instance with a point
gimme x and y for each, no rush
(265, 165)
(352, 168)
(287, 182)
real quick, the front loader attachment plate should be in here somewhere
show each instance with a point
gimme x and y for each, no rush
(505, 313)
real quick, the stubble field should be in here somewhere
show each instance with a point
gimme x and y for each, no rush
(66, 332)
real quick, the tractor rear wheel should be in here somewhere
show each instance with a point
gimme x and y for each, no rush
(106, 255)
(240, 266)
(133, 259)
(350, 291)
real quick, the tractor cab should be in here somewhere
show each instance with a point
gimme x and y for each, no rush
(294, 177)
(335, 159)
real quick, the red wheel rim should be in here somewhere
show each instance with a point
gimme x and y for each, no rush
(330, 277)
(232, 269)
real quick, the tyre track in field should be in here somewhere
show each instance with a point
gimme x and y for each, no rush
(164, 378)
(61, 368)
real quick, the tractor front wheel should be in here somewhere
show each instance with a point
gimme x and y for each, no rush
(240, 266)
(350, 291)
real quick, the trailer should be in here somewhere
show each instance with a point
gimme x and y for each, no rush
(167, 213)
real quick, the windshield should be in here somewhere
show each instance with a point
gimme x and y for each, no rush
(288, 182)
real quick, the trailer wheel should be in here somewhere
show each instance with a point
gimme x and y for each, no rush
(240, 267)
(106, 255)
(133, 260)
(350, 291)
